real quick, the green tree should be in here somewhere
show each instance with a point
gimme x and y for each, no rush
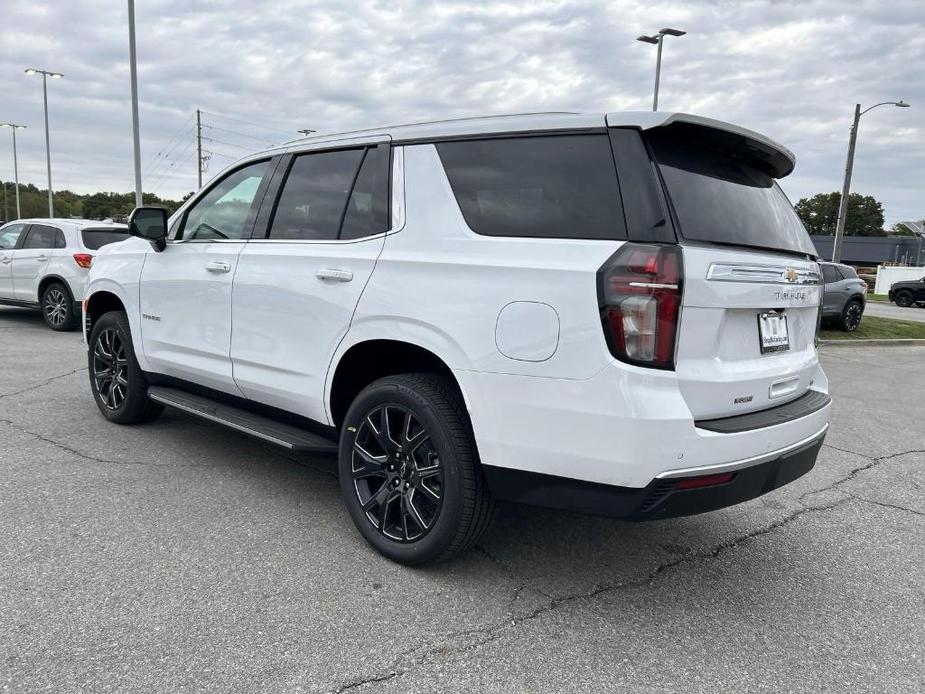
(103, 205)
(820, 214)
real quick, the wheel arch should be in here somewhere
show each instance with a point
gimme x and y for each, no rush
(371, 359)
(49, 279)
(99, 303)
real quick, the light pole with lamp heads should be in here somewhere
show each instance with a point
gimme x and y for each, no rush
(657, 39)
(55, 76)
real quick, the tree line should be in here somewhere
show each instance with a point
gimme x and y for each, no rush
(33, 202)
(819, 214)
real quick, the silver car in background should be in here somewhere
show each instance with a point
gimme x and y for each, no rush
(844, 299)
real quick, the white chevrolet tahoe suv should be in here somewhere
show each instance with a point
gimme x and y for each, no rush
(614, 314)
(44, 263)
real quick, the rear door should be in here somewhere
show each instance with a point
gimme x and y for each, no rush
(752, 288)
(31, 259)
(832, 298)
(295, 291)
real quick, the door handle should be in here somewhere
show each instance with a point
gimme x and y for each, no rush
(42, 258)
(216, 266)
(336, 275)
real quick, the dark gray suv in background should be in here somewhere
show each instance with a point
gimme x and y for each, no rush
(843, 301)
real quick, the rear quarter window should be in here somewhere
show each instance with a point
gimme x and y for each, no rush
(94, 239)
(562, 186)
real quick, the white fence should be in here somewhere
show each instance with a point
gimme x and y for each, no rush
(887, 275)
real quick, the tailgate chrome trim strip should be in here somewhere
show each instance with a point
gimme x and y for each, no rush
(762, 274)
(745, 462)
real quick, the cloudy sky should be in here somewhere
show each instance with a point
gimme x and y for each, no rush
(260, 71)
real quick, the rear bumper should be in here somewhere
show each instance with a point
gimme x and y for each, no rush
(661, 498)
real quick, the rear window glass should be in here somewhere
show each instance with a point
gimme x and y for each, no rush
(562, 186)
(94, 239)
(724, 199)
(848, 272)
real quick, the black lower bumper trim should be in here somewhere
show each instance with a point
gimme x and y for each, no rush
(803, 406)
(661, 498)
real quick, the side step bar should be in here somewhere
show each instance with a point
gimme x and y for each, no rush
(279, 433)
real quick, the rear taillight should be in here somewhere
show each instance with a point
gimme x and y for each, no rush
(819, 308)
(85, 260)
(640, 294)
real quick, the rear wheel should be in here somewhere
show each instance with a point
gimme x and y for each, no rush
(409, 470)
(58, 307)
(903, 298)
(119, 386)
(851, 316)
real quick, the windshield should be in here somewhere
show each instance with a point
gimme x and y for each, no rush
(94, 239)
(722, 197)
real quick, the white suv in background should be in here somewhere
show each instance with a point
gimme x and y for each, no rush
(612, 314)
(44, 263)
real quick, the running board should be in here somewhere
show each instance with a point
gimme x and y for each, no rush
(285, 435)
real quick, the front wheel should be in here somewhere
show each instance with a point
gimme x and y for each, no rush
(903, 299)
(58, 307)
(119, 386)
(851, 316)
(409, 470)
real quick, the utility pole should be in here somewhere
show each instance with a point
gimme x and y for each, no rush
(136, 136)
(846, 188)
(6, 211)
(849, 168)
(199, 144)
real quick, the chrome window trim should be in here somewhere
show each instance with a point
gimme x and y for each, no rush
(398, 210)
(762, 274)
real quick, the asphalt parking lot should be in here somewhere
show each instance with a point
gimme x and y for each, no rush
(178, 556)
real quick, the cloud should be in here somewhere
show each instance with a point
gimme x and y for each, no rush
(793, 70)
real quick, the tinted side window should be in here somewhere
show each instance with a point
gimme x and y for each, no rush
(829, 275)
(314, 195)
(562, 186)
(367, 208)
(59, 239)
(94, 239)
(40, 236)
(223, 212)
(9, 235)
(848, 272)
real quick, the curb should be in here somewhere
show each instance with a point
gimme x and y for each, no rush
(895, 342)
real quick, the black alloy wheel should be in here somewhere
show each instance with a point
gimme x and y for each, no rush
(110, 368)
(397, 473)
(903, 298)
(57, 307)
(851, 318)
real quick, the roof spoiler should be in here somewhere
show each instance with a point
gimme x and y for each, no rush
(773, 157)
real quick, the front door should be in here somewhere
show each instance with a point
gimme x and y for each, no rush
(9, 240)
(296, 290)
(31, 258)
(186, 288)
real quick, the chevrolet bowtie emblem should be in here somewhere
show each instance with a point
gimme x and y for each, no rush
(791, 275)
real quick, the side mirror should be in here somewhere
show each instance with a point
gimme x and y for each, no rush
(150, 224)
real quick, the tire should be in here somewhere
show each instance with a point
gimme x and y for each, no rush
(903, 298)
(58, 307)
(851, 315)
(434, 456)
(119, 386)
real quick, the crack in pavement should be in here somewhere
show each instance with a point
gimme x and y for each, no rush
(419, 655)
(41, 385)
(886, 505)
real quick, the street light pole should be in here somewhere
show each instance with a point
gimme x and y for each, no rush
(136, 136)
(849, 169)
(658, 39)
(45, 75)
(14, 128)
